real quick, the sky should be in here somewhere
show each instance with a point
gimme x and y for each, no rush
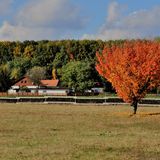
(79, 19)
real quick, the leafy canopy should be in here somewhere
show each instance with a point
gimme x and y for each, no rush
(77, 75)
(36, 74)
(132, 68)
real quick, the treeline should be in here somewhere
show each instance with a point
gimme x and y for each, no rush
(16, 58)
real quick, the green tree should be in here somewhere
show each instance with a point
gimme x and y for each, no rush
(15, 73)
(36, 74)
(77, 75)
(5, 81)
(61, 59)
(18, 67)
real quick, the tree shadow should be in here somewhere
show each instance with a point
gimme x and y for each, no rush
(145, 114)
(139, 114)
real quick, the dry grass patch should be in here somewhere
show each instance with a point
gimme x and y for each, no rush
(65, 132)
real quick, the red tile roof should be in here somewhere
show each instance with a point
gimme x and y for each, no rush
(26, 81)
(50, 83)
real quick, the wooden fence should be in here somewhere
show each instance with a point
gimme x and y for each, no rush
(73, 100)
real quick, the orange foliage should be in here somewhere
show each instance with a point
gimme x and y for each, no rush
(133, 68)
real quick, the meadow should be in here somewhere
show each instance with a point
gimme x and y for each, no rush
(74, 132)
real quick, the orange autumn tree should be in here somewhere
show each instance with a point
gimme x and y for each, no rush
(133, 68)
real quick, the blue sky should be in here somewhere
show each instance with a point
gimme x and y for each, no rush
(79, 19)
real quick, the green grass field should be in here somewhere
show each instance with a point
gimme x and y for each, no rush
(66, 132)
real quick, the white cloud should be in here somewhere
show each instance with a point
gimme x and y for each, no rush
(113, 12)
(42, 19)
(52, 13)
(146, 19)
(139, 24)
(19, 32)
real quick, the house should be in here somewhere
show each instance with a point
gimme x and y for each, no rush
(47, 87)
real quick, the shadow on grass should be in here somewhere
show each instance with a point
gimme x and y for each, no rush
(145, 114)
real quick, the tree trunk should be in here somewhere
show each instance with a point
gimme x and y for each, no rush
(135, 105)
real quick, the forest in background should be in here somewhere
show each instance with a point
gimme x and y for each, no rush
(17, 58)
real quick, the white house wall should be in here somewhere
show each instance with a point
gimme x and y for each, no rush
(12, 91)
(53, 92)
(29, 87)
(15, 87)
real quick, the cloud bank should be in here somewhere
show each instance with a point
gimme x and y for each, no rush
(57, 19)
(138, 24)
(42, 19)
